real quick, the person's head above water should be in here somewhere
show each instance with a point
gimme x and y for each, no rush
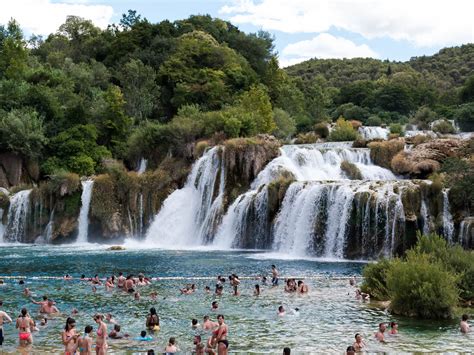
(194, 321)
(143, 333)
(172, 341)
(286, 351)
(465, 317)
(153, 311)
(117, 328)
(281, 309)
(215, 304)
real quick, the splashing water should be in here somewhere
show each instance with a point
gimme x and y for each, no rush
(448, 225)
(373, 132)
(142, 166)
(18, 216)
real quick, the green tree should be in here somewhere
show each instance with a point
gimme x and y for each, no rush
(257, 101)
(343, 131)
(13, 51)
(285, 124)
(467, 91)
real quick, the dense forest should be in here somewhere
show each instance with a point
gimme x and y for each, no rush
(139, 89)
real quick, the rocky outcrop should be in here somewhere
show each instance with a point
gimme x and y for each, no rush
(243, 159)
(383, 152)
(14, 170)
(426, 158)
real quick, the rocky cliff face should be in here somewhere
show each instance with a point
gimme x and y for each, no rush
(14, 170)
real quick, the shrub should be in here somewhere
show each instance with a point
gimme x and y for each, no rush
(351, 170)
(285, 124)
(444, 127)
(423, 117)
(373, 121)
(421, 288)
(64, 183)
(396, 128)
(306, 138)
(375, 279)
(321, 129)
(383, 152)
(343, 131)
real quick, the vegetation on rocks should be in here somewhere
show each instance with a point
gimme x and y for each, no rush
(383, 152)
(351, 170)
(343, 131)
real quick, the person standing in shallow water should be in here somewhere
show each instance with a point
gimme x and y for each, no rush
(464, 324)
(3, 317)
(24, 324)
(274, 276)
(153, 321)
(101, 340)
(69, 336)
(84, 343)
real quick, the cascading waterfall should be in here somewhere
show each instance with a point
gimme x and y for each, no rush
(18, 216)
(466, 232)
(84, 213)
(448, 226)
(140, 213)
(373, 132)
(2, 227)
(425, 215)
(188, 215)
(142, 166)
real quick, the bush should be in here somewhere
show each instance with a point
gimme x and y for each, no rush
(373, 121)
(306, 138)
(351, 170)
(421, 288)
(343, 131)
(444, 127)
(321, 129)
(285, 124)
(383, 152)
(423, 117)
(375, 280)
(396, 128)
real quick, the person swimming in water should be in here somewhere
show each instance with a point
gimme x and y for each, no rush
(194, 323)
(380, 334)
(393, 328)
(171, 348)
(214, 306)
(49, 308)
(464, 325)
(359, 344)
(116, 333)
(302, 287)
(207, 324)
(281, 311)
(143, 337)
(84, 343)
(256, 292)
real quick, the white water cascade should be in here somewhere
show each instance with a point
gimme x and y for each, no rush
(84, 213)
(2, 227)
(189, 215)
(466, 232)
(448, 226)
(142, 166)
(373, 132)
(18, 216)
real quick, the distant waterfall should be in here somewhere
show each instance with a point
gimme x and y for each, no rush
(448, 225)
(373, 132)
(189, 215)
(2, 227)
(142, 166)
(425, 215)
(466, 232)
(84, 213)
(18, 216)
(140, 214)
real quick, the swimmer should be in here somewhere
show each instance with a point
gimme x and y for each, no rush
(42, 303)
(275, 275)
(116, 333)
(198, 345)
(207, 289)
(256, 292)
(290, 286)
(141, 280)
(137, 296)
(27, 292)
(74, 311)
(95, 280)
(101, 339)
(286, 351)
(194, 323)
(171, 348)
(153, 320)
(154, 295)
(143, 337)
(207, 324)
(129, 283)
(393, 328)
(109, 318)
(67, 277)
(44, 322)
(361, 295)
(380, 334)
(359, 344)
(109, 285)
(49, 308)
(83, 278)
(350, 350)
(281, 311)
(121, 280)
(24, 324)
(235, 282)
(84, 343)
(352, 281)
(302, 287)
(219, 290)
(264, 280)
(296, 312)
(464, 325)
(4, 317)
(69, 336)
(214, 306)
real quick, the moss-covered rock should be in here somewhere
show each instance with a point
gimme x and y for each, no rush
(383, 152)
(351, 170)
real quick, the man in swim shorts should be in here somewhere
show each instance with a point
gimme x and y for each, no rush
(3, 317)
(274, 276)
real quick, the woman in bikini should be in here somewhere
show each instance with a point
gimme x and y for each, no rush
(69, 337)
(101, 340)
(84, 343)
(219, 337)
(153, 321)
(24, 324)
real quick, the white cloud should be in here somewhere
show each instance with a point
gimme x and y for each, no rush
(324, 46)
(422, 22)
(43, 17)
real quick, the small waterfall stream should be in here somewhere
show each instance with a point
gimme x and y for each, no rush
(86, 196)
(18, 216)
(142, 166)
(448, 226)
(373, 132)
(2, 227)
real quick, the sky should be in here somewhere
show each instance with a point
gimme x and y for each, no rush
(303, 29)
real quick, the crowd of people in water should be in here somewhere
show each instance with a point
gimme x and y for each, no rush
(84, 343)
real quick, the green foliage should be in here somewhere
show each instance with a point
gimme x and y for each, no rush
(423, 117)
(464, 116)
(373, 121)
(421, 288)
(285, 124)
(22, 132)
(396, 128)
(321, 129)
(444, 127)
(459, 177)
(343, 131)
(375, 279)
(467, 91)
(257, 101)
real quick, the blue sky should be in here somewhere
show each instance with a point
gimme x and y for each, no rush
(302, 28)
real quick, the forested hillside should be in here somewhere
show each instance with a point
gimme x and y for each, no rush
(139, 89)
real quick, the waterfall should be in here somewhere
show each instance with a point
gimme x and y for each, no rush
(373, 132)
(142, 166)
(188, 214)
(84, 213)
(2, 227)
(425, 215)
(18, 216)
(448, 225)
(49, 228)
(466, 233)
(140, 214)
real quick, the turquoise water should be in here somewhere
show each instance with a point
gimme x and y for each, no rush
(328, 319)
